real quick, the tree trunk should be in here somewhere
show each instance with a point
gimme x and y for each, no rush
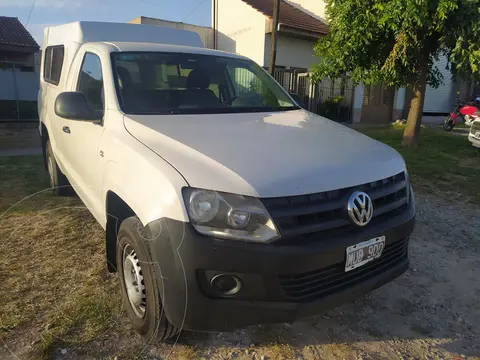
(414, 120)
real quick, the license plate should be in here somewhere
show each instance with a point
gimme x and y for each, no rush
(364, 252)
(477, 135)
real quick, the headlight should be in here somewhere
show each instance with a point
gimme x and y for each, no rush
(229, 216)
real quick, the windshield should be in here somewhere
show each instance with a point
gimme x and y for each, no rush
(182, 83)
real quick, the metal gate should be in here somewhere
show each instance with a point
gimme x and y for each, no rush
(286, 78)
(332, 98)
(19, 84)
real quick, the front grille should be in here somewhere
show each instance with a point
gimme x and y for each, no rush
(320, 283)
(326, 211)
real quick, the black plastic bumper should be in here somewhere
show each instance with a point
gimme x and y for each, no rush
(186, 259)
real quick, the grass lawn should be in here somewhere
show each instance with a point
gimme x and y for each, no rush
(19, 138)
(56, 289)
(444, 164)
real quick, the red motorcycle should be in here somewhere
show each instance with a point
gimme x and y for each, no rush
(469, 112)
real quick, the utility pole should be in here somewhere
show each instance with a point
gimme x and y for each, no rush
(214, 24)
(273, 45)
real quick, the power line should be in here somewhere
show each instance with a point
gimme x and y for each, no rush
(191, 12)
(30, 13)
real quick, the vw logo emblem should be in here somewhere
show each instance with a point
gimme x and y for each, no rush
(360, 208)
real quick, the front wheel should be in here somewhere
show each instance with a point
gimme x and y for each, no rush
(138, 283)
(448, 124)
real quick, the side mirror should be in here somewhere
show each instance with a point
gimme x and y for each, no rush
(297, 100)
(73, 105)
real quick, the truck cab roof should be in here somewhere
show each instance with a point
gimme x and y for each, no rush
(169, 48)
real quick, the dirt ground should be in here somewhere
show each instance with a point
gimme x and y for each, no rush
(58, 301)
(19, 138)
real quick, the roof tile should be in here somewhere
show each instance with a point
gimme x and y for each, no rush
(290, 16)
(12, 32)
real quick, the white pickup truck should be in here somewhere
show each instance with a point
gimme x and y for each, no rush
(224, 203)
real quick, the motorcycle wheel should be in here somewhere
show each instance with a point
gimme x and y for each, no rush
(448, 124)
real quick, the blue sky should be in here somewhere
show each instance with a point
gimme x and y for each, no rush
(49, 12)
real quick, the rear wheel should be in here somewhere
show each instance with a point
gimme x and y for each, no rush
(448, 124)
(58, 181)
(138, 282)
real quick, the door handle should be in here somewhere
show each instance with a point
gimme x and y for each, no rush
(66, 129)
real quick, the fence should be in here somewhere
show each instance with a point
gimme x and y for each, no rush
(18, 91)
(332, 98)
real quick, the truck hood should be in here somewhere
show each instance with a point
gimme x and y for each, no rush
(265, 154)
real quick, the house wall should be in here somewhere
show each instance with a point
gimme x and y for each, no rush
(441, 99)
(241, 29)
(7, 90)
(291, 52)
(205, 33)
(398, 104)
(314, 7)
(438, 100)
(357, 103)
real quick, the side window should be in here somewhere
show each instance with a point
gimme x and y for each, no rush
(52, 68)
(90, 81)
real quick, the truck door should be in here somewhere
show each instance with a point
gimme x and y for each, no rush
(81, 138)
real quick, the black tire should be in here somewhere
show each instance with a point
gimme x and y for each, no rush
(58, 181)
(152, 324)
(448, 124)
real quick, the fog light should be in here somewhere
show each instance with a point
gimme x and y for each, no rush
(226, 284)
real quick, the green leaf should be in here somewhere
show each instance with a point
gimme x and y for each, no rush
(390, 40)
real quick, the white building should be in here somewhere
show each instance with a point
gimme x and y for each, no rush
(244, 27)
(206, 33)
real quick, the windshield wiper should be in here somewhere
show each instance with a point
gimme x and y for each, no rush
(285, 108)
(215, 110)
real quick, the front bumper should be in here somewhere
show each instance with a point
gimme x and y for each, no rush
(185, 261)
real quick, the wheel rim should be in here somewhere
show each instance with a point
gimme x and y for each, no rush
(134, 284)
(50, 169)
